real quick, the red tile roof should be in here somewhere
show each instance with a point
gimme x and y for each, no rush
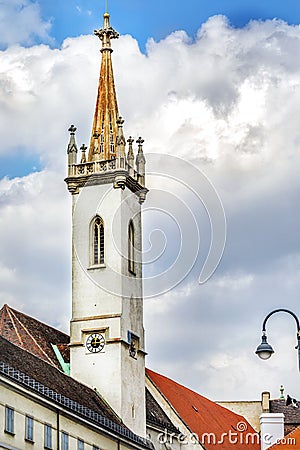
(33, 335)
(289, 442)
(204, 416)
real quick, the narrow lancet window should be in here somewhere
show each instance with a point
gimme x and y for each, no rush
(98, 241)
(111, 137)
(131, 265)
(102, 136)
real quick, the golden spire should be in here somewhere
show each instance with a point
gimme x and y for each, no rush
(105, 129)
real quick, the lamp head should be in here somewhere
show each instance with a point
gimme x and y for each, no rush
(264, 350)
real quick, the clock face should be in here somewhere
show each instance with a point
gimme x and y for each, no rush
(95, 342)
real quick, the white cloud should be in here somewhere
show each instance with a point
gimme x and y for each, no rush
(35, 245)
(21, 22)
(229, 103)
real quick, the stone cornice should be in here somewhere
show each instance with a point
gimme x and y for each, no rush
(119, 178)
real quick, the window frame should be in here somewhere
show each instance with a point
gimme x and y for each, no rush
(64, 441)
(29, 424)
(9, 426)
(48, 437)
(80, 444)
(131, 248)
(97, 242)
(112, 148)
(102, 136)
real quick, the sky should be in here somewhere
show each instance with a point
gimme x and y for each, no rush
(216, 84)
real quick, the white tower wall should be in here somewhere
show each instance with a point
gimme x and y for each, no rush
(108, 300)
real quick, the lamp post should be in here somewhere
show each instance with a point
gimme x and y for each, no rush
(265, 350)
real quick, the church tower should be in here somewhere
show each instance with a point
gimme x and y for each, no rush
(108, 187)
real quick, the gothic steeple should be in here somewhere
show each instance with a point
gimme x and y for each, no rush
(106, 160)
(105, 129)
(108, 188)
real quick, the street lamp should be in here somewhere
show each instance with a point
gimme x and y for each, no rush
(265, 350)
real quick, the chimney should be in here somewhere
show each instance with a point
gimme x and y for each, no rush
(271, 429)
(265, 402)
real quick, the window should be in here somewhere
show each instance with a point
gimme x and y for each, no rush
(64, 441)
(80, 445)
(101, 143)
(133, 342)
(9, 420)
(111, 137)
(98, 241)
(28, 428)
(131, 265)
(102, 136)
(48, 436)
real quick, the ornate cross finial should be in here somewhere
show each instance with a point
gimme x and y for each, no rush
(96, 135)
(120, 122)
(72, 130)
(130, 141)
(140, 141)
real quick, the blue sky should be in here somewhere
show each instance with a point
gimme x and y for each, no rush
(144, 19)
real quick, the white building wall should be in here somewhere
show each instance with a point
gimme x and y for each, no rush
(44, 412)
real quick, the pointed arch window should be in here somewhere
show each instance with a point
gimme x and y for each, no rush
(131, 262)
(102, 136)
(111, 137)
(98, 241)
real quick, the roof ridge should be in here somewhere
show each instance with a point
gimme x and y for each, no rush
(36, 320)
(33, 338)
(166, 398)
(9, 312)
